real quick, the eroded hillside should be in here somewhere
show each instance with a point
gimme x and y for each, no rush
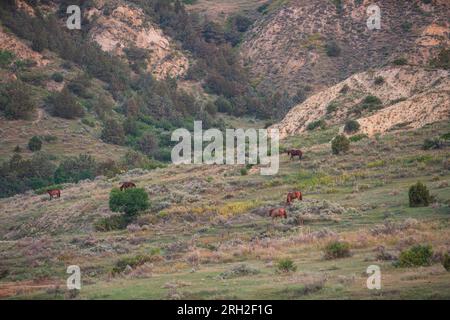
(120, 26)
(320, 43)
(392, 97)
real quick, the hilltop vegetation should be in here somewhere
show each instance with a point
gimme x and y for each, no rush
(116, 98)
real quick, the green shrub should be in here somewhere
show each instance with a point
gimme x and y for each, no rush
(117, 222)
(49, 138)
(34, 144)
(244, 172)
(6, 58)
(372, 100)
(446, 261)
(113, 132)
(65, 105)
(129, 201)
(358, 137)
(133, 262)
(79, 86)
(419, 255)
(286, 265)
(316, 124)
(369, 103)
(57, 77)
(16, 100)
(332, 107)
(340, 144)
(345, 89)
(88, 122)
(400, 62)
(379, 80)
(446, 136)
(336, 250)
(238, 271)
(75, 169)
(149, 144)
(443, 59)
(332, 49)
(434, 143)
(419, 196)
(351, 126)
(224, 105)
(34, 77)
(406, 26)
(22, 65)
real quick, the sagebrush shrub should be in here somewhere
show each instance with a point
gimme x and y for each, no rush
(316, 124)
(112, 223)
(336, 250)
(286, 265)
(133, 262)
(419, 196)
(429, 144)
(419, 255)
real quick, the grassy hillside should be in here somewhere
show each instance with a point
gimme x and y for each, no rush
(207, 234)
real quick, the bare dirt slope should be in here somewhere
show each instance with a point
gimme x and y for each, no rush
(410, 97)
(287, 49)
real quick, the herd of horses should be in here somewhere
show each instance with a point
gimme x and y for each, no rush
(56, 193)
(273, 213)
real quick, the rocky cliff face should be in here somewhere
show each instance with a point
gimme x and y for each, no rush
(124, 26)
(408, 97)
(287, 49)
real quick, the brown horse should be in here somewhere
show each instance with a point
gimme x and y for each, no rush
(278, 213)
(54, 193)
(294, 195)
(127, 185)
(295, 153)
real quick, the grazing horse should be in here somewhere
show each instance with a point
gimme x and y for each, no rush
(278, 213)
(54, 193)
(295, 153)
(127, 185)
(294, 195)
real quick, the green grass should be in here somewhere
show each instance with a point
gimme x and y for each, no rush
(206, 229)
